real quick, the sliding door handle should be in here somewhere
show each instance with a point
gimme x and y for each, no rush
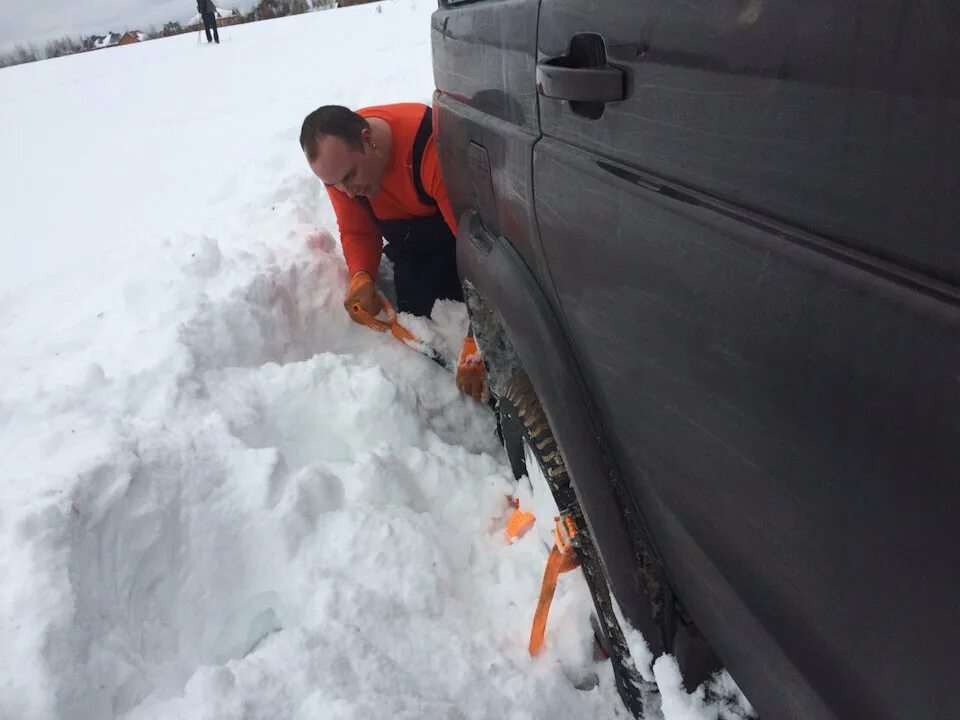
(579, 84)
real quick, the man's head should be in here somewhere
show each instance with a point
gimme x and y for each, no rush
(339, 146)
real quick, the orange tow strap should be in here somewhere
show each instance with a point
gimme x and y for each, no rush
(563, 558)
(392, 325)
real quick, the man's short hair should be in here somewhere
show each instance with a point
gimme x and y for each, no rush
(336, 121)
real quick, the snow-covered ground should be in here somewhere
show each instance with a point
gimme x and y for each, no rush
(219, 498)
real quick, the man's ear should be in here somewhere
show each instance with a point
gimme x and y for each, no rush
(366, 137)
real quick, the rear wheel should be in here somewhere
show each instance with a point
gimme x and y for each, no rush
(523, 418)
(531, 447)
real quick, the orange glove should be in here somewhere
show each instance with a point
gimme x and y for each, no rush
(471, 372)
(363, 293)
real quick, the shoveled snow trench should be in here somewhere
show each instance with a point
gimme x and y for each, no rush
(219, 498)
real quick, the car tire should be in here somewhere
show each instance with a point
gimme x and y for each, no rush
(524, 422)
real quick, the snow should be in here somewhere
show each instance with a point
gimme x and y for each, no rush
(219, 498)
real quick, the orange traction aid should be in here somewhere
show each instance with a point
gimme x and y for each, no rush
(519, 524)
(563, 558)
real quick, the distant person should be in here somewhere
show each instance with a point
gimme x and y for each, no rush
(208, 13)
(382, 173)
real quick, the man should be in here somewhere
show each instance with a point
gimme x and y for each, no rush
(382, 173)
(207, 11)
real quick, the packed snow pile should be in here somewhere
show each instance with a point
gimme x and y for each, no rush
(219, 498)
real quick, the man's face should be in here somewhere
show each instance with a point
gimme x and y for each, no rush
(355, 172)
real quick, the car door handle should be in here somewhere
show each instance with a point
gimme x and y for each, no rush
(555, 79)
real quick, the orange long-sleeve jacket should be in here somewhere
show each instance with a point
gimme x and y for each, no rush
(397, 200)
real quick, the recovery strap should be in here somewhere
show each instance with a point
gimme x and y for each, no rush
(563, 558)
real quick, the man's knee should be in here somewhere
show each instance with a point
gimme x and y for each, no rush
(420, 285)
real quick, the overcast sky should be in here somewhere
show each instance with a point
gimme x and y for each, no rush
(36, 21)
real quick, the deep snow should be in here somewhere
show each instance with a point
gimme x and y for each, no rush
(219, 498)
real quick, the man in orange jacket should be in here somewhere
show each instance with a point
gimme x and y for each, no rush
(381, 170)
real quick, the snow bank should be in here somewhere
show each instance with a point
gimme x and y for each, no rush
(218, 497)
